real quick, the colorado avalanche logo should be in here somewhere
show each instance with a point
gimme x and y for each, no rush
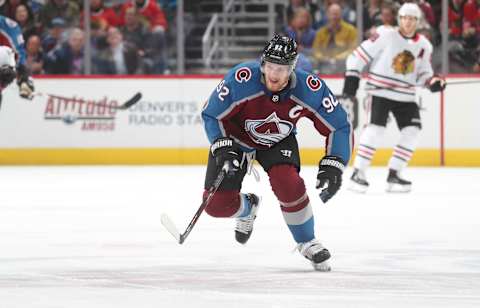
(313, 83)
(243, 74)
(268, 131)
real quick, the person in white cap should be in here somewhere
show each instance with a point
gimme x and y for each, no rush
(399, 60)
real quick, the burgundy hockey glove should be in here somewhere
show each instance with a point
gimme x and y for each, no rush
(330, 171)
(436, 84)
(227, 155)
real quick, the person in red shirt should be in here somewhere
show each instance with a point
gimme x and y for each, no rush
(157, 43)
(150, 10)
(461, 15)
(102, 16)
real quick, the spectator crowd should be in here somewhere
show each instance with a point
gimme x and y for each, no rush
(127, 37)
(326, 30)
(131, 36)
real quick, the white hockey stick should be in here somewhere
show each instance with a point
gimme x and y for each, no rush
(170, 226)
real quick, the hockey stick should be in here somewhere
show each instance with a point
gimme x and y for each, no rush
(448, 83)
(462, 82)
(127, 104)
(170, 226)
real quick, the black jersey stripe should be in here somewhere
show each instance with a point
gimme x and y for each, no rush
(390, 78)
(375, 87)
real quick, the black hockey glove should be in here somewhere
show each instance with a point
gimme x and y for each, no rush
(436, 84)
(7, 75)
(226, 154)
(25, 83)
(350, 86)
(26, 89)
(330, 171)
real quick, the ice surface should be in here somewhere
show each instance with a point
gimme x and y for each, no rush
(82, 237)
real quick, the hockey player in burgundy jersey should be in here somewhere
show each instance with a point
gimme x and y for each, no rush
(400, 60)
(252, 115)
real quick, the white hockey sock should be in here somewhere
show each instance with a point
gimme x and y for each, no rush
(403, 151)
(367, 145)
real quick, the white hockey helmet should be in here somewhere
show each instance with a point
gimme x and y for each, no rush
(7, 56)
(410, 9)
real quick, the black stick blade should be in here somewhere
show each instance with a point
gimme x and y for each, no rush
(132, 101)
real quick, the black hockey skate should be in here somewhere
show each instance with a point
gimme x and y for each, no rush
(397, 184)
(244, 226)
(358, 182)
(317, 254)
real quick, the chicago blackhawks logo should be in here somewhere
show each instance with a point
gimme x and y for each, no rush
(268, 131)
(403, 63)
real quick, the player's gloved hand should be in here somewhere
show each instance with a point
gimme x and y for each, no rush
(436, 84)
(26, 88)
(227, 155)
(7, 75)
(350, 86)
(329, 177)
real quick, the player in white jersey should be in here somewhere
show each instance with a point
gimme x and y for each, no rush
(400, 60)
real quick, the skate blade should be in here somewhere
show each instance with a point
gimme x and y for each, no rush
(355, 187)
(322, 266)
(397, 188)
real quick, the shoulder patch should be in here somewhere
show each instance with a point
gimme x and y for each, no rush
(243, 74)
(313, 83)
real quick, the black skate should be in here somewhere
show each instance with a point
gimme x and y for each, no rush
(358, 182)
(244, 226)
(397, 184)
(317, 254)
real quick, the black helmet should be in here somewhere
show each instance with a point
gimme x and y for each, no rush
(280, 50)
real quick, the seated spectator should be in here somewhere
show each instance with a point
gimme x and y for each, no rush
(8, 7)
(150, 10)
(157, 44)
(119, 58)
(68, 58)
(464, 35)
(294, 5)
(348, 14)
(136, 32)
(459, 13)
(25, 19)
(300, 29)
(372, 16)
(34, 55)
(68, 10)
(388, 14)
(334, 42)
(54, 35)
(388, 17)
